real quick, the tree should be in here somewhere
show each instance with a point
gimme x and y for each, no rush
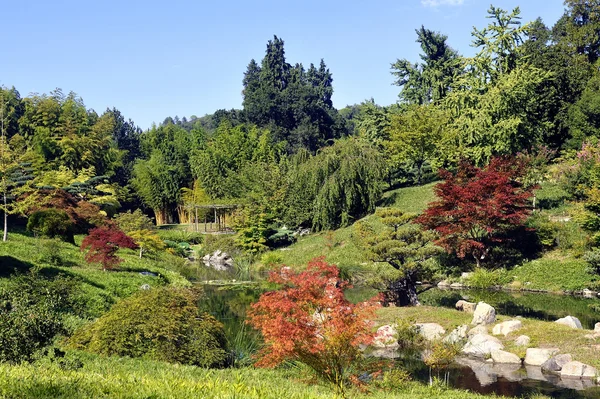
(147, 241)
(478, 208)
(309, 320)
(431, 80)
(580, 28)
(402, 245)
(102, 245)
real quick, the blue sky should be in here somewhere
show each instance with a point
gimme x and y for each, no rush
(153, 59)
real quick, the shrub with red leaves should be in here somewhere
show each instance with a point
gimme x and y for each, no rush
(309, 320)
(477, 208)
(102, 244)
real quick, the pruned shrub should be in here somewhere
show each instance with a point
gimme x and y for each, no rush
(51, 223)
(483, 278)
(161, 324)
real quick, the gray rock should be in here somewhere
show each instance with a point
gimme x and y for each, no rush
(535, 373)
(484, 314)
(588, 293)
(430, 331)
(145, 287)
(556, 363)
(443, 284)
(507, 327)
(459, 334)
(577, 370)
(500, 356)
(466, 275)
(570, 321)
(538, 356)
(218, 260)
(482, 345)
(465, 306)
(597, 327)
(457, 286)
(522, 340)
(480, 329)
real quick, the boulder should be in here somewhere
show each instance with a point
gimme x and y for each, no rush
(457, 286)
(218, 260)
(588, 293)
(484, 314)
(556, 363)
(538, 356)
(482, 345)
(500, 356)
(570, 321)
(457, 335)
(507, 327)
(386, 337)
(477, 330)
(430, 331)
(597, 327)
(466, 275)
(577, 370)
(465, 306)
(522, 340)
(145, 287)
(535, 373)
(443, 284)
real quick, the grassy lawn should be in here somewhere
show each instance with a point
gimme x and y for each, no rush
(543, 334)
(553, 272)
(112, 377)
(409, 199)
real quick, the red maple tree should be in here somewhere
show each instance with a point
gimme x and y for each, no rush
(478, 207)
(103, 243)
(309, 320)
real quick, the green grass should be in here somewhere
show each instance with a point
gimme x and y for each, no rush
(553, 272)
(23, 253)
(111, 377)
(543, 334)
(410, 199)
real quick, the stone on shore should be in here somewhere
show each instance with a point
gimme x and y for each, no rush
(484, 314)
(570, 321)
(522, 340)
(465, 306)
(507, 327)
(457, 335)
(430, 331)
(556, 363)
(577, 370)
(500, 356)
(482, 345)
(538, 356)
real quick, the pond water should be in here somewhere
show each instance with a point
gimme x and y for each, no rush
(230, 303)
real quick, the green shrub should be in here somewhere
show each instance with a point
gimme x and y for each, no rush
(133, 221)
(271, 259)
(483, 278)
(181, 236)
(551, 195)
(51, 223)
(593, 259)
(223, 242)
(545, 230)
(31, 314)
(50, 251)
(161, 324)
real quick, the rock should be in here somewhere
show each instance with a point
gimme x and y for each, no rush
(481, 345)
(500, 356)
(522, 340)
(577, 370)
(570, 321)
(218, 260)
(430, 331)
(386, 337)
(538, 356)
(457, 335)
(556, 363)
(597, 327)
(466, 275)
(457, 286)
(576, 384)
(588, 293)
(507, 327)
(535, 373)
(465, 306)
(487, 373)
(145, 287)
(484, 314)
(443, 284)
(480, 329)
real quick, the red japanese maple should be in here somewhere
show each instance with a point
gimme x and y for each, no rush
(309, 320)
(478, 207)
(102, 244)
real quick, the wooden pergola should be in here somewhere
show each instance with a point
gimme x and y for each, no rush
(218, 210)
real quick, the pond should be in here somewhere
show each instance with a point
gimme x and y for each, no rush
(229, 304)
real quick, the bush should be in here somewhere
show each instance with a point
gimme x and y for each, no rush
(51, 223)
(50, 251)
(483, 278)
(593, 259)
(551, 195)
(161, 324)
(181, 236)
(271, 259)
(223, 242)
(132, 221)
(31, 314)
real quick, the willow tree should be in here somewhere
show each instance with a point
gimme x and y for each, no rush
(337, 186)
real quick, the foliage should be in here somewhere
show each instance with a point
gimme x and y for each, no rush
(404, 246)
(181, 236)
(484, 279)
(593, 259)
(478, 208)
(31, 314)
(551, 195)
(102, 245)
(161, 324)
(51, 223)
(131, 221)
(338, 185)
(147, 241)
(309, 320)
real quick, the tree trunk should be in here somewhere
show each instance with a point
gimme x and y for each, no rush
(141, 252)
(402, 292)
(5, 235)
